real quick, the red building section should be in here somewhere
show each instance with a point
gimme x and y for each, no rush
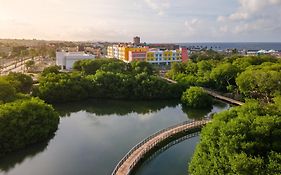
(137, 56)
(184, 54)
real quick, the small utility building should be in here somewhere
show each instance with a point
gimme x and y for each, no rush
(66, 59)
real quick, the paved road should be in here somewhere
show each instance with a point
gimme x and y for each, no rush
(14, 67)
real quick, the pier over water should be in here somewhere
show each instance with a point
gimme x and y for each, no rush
(138, 152)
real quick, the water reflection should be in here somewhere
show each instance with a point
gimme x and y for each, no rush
(97, 134)
(9, 161)
(115, 107)
(198, 114)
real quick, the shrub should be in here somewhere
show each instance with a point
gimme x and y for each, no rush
(21, 82)
(51, 69)
(242, 140)
(7, 91)
(196, 97)
(25, 122)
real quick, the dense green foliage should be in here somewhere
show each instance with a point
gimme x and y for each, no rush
(262, 81)
(106, 78)
(224, 75)
(90, 66)
(62, 87)
(244, 140)
(237, 74)
(21, 82)
(196, 97)
(7, 91)
(25, 122)
(51, 69)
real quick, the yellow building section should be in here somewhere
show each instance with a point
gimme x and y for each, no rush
(167, 55)
(121, 53)
(110, 52)
(150, 56)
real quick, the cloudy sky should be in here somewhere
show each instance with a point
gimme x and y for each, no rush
(153, 20)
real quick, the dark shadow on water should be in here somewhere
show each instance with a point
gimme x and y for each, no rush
(221, 104)
(109, 107)
(196, 113)
(10, 160)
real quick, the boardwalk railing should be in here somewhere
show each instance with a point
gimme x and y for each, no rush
(223, 98)
(212, 93)
(150, 142)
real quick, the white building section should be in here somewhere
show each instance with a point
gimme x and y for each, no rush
(66, 59)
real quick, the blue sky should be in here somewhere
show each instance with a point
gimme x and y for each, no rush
(153, 20)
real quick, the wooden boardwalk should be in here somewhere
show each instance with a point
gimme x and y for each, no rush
(223, 98)
(213, 94)
(133, 157)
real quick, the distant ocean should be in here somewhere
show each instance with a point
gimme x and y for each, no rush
(239, 46)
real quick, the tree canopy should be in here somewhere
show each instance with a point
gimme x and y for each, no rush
(21, 82)
(25, 122)
(7, 91)
(106, 79)
(242, 140)
(196, 97)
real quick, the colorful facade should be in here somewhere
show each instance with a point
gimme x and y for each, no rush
(151, 55)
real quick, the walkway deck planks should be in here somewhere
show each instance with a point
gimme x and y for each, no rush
(131, 159)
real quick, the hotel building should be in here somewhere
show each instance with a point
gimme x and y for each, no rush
(158, 56)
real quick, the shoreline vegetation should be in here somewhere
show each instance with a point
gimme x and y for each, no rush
(242, 140)
(24, 120)
(108, 79)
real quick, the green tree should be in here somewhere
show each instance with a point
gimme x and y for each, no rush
(196, 97)
(21, 82)
(242, 140)
(25, 122)
(90, 67)
(277, 101)
(51, 69)
(62, 87)
(140, 67)
(224, 75)
(262, 84)
(7, 91)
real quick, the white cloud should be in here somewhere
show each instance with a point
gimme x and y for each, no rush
(224, 29)
(200, 29)
(160, 6)
(192, 26)
(250, 8)
(119, 20)
(252, 17)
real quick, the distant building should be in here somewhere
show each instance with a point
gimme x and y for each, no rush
(66, 59)
(81, 48)
(158, 56)
(252, 52)
(137, 40)
(94, 50)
